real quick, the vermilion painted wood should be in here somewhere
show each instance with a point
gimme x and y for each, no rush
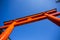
(29, 19)
(7, 32)
(32, 18)
(54, 19)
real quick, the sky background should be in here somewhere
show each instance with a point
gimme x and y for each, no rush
(41, 30)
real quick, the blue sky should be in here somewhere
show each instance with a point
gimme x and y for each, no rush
(41, 30)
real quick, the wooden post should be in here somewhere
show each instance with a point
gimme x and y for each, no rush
(7, 32)
(54, 19)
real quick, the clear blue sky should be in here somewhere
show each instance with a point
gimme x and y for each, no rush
(41, 30)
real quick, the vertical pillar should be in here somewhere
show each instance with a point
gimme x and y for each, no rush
(53, 19)
(7, 32)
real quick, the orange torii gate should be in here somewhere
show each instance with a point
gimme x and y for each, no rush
(9, 25)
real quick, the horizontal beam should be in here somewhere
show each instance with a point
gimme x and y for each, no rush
(30, 18)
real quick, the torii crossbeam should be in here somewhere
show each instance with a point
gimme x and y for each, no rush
(9, 25)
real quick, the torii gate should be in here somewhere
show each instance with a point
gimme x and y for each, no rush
(9, 25)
